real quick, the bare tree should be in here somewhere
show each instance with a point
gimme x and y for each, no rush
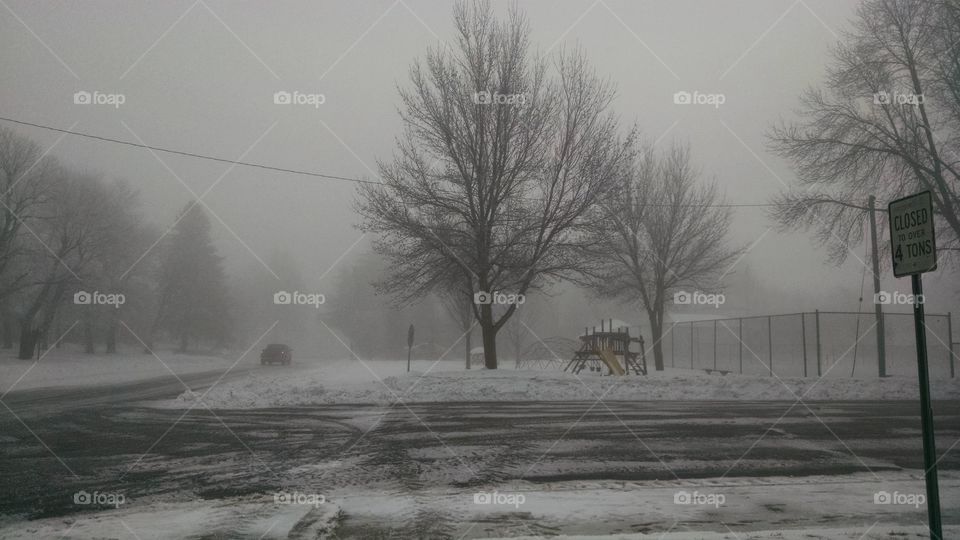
(73, 229)
(661, 230)
(886, 123)
(24, 186)
(497, 166)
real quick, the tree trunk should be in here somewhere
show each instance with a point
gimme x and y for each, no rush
(489, 336)
(111, 338)
(28, 340)
(88, 345)
(656, 330)
(468, 347)
(8, 329)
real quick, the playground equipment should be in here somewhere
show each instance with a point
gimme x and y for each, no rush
(548, 353)
(611, 349)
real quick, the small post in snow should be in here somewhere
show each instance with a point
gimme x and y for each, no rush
(409, 345)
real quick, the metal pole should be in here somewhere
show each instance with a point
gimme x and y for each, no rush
(950, 343)
(803, 339)
(770, 342)
(877, 307)
(714, 344)
(817, 322)
(740, 339)
(926, 414)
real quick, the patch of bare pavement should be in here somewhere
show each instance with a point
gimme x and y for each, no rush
(416, 456)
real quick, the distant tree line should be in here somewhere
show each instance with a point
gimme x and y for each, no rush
(78, 263)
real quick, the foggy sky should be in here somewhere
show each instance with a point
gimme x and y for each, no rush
(200, 77)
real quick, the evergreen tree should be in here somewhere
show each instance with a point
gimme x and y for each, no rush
(193, 303)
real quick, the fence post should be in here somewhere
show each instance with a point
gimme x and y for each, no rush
(770, 342)
(817, 321)
(714, 344)
(803, 339)
(950, 342)
(673, 347)
(740, 339)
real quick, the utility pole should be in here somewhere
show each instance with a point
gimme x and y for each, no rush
(877, 307)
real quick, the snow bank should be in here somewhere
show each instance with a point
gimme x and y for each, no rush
(383, 382)
(71, 368)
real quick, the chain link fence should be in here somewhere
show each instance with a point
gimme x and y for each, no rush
(822, 343)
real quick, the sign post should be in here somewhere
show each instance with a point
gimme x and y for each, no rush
(409, 346)
(914, 250)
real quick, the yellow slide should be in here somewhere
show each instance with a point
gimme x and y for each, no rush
(611, 361)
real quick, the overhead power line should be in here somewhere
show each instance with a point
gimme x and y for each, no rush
(272, 167)
(190, 154)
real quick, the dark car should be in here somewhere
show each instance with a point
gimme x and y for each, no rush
(276, 353)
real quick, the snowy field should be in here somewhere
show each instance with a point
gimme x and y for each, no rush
(383, 382)
(65, 367)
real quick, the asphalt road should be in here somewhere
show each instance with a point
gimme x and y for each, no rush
(54, 443)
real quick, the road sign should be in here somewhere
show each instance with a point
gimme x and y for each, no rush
(913, 243)
(914, 249)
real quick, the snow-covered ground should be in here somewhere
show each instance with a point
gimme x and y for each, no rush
(224, 518)
(67, 367)
(722, 509)
(383, 382)
(773, 507)
(850, 533)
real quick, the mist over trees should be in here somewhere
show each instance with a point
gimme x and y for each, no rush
(886, 122)
(193, 302)
(77, 262)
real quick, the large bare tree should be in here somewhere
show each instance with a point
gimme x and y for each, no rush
(660, 231)
(503, 153)
(885, 123)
